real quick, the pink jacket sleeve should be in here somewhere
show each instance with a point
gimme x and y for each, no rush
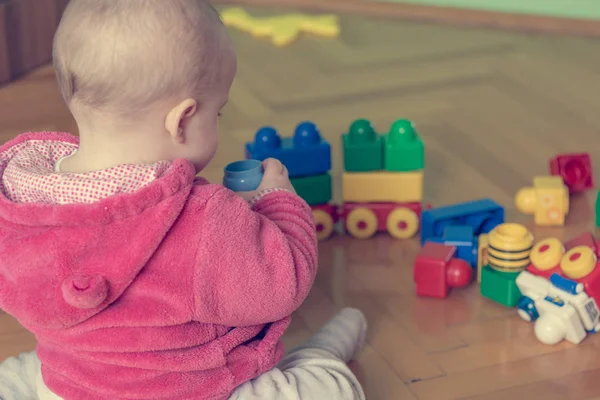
(257, 265)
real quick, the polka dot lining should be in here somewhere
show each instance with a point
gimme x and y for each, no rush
(30, 177)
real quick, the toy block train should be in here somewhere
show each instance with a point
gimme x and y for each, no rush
(382, 186)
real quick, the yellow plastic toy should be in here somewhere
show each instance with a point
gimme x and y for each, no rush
(578, 262)
(547, 200)
(283, 29)
(324, 223)
(382, 187)
(509, 246)
(547, 254)
(482, 248)
(506, 249)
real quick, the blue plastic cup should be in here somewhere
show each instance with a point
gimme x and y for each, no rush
(243, 176)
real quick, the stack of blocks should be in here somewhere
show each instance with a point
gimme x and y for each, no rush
(508, 249)
(307, 156)
(382, 183)
(477, 234)
(464, 228)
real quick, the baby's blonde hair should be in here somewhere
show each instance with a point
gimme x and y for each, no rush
(121, 56)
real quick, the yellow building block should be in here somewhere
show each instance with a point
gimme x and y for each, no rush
(283, 29)
(482, 248)
(382, 187)
(547, 200)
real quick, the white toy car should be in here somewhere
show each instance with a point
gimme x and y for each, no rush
(559, 307)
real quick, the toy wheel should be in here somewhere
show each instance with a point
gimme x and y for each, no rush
(361, 223)
(402, 223)
(526, 309)
(578, 262)
(547, 254)
(324, 224)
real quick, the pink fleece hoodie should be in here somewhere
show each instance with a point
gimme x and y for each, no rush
(177, 291)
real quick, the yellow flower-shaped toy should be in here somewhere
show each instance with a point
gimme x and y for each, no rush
(283, 29)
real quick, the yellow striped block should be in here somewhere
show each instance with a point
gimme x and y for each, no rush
(382, 187)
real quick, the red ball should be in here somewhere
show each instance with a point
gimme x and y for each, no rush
(459, 273)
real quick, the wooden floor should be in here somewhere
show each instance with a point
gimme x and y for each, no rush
(492, 107)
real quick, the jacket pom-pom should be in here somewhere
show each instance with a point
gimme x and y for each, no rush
(85, 291)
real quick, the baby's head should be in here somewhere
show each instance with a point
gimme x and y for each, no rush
(159, 68)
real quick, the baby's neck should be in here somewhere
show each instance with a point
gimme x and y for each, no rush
(99, 150)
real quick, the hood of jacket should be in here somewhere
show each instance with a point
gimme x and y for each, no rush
(62, 264)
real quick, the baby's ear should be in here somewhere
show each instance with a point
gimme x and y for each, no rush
(191, 109)
(177, 118)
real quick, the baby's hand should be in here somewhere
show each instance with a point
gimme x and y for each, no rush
(275, 177)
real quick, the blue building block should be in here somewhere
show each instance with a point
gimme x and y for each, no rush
(304, 154)
(481, 215)
(461, 237)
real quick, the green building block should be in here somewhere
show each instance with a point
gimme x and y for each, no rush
(500, 287)
(598, 210)
(403, 148)
(314, 189)
(363, 148)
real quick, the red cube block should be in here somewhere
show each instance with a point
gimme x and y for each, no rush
(436, 270)
(575, 169)
(585, 239)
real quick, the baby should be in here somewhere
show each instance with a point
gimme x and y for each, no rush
(139, 280)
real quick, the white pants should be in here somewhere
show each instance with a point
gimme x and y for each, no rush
(316, 370)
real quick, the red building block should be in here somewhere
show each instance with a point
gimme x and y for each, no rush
(585, 239)
(436, 271)
(591, 283)
(575, 169)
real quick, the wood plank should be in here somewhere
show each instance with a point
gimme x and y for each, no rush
(554, 365)
(577, 386)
